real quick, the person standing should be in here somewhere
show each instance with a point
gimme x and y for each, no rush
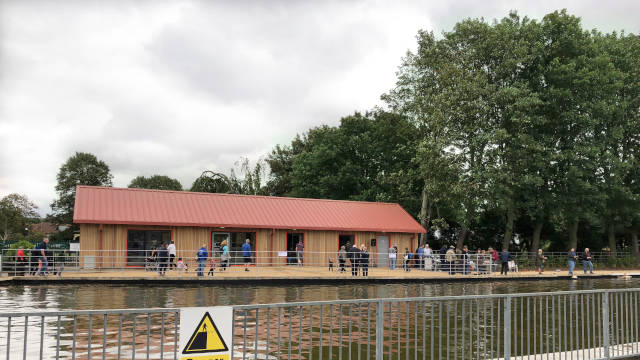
(201, 257)
(420, 257)
(393, 256)
(586, 261)
(406, 258)
(572, 260)
(465, 260)
(163, 257)
(20, 263)
(41, 251)
(450, 258)
(541, 260)
(299, 252)
(246, 254)
(505, 256)
(428, 257)
(364, 260)
(342, 258)
(354, 258)
(224, 257)
(172, 254)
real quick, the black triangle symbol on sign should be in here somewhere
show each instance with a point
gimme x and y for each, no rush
(206, 338)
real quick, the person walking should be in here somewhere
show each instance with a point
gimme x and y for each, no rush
(201, 258)
(505, 256)
(299, 252)
(354, 258)
(342, 258)
(20, 263)
(586, 261)
(246, 254)
(541, 260)
(212, 266)
(572, 260)
(450, 258)
(393, 257)
(364, 260)
(41, 251)
(172, 254)
(224, 257)
(163, 257)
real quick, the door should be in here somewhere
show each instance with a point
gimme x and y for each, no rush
(383, 250)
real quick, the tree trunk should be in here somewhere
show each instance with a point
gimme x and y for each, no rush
(462, 237)
(508, 231)
(634, 243)
(535, 242)
(425, 214)
(573, 234)
(611, 234)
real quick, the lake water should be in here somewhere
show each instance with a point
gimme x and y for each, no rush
(77, 297)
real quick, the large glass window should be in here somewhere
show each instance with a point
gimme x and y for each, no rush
(235, 241)
(141, 243)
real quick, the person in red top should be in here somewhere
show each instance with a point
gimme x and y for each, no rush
(494, 258)
(21, 261)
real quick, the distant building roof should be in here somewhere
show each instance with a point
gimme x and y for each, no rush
(105, 205)
(44, 227)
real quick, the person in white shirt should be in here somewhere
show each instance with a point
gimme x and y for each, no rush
(428, 258)
(172, 254)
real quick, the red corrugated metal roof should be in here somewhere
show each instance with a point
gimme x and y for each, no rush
(105, 205)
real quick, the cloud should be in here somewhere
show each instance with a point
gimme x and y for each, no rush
(177, 87)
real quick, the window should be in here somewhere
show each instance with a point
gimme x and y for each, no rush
(141, 243)
(346, 240)
(235, 241)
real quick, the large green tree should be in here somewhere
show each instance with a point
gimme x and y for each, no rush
(80, 169)
(158, 182)
(17, 212)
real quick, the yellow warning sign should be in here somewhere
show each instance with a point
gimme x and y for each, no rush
(206, 338)
(207, 357)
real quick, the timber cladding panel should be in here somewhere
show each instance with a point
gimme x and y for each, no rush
(319, 245)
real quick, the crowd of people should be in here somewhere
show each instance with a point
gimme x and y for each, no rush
(39, 261)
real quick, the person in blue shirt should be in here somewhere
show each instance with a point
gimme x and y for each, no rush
(41, 251)
(202, 256)
(420, 257)
(246, 254)
(572, 260)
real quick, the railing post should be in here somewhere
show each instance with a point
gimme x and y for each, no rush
(605, 324)
(379, 330)
(507, 328)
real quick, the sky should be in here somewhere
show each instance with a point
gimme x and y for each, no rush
(178, 87)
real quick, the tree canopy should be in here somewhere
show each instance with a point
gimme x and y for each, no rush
(158, 182)
(79, 169)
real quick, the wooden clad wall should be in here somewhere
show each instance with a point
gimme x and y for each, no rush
(319, 245)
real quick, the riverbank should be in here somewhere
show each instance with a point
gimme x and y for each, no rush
(298, 275)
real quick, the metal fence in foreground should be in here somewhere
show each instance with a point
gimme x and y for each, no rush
(559, 325)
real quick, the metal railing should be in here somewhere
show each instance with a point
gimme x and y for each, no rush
(104, 260)
(600, 324)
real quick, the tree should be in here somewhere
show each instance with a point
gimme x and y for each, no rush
(17, 212)
(280, 162)
(212, 182)
(251, 180)
(79, 169)
(158, 182)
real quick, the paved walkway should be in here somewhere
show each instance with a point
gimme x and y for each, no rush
(299, 273)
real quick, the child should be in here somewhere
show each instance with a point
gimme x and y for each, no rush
(181, 266)
(212, 267)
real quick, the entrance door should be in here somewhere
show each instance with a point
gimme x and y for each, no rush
(383, 250)
(292, 241)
